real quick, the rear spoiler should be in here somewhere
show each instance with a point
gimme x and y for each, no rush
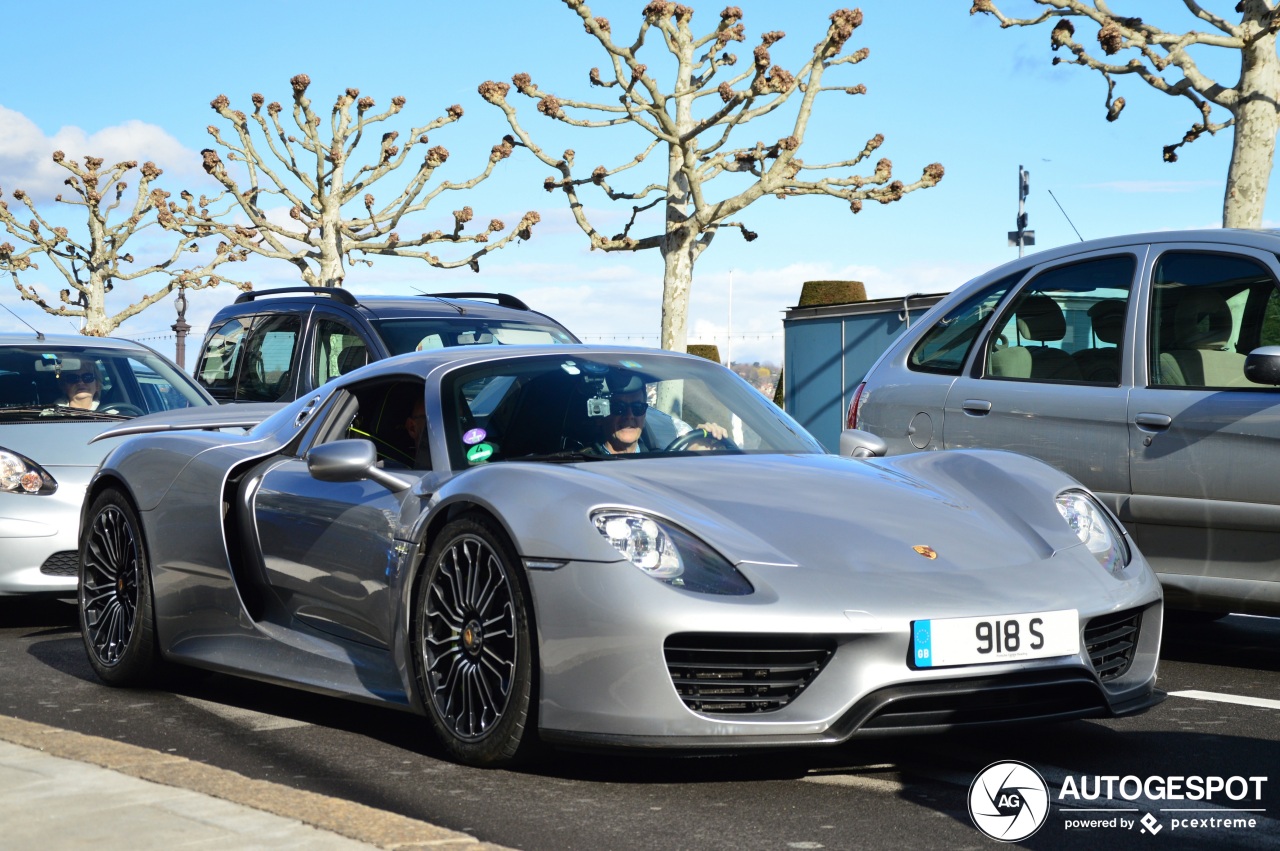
(192, 419)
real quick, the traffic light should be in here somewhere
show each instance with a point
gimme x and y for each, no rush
(1024, 183)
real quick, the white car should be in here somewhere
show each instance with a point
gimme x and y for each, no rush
(45, 456)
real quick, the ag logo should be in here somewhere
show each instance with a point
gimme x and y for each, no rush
(1008, 801)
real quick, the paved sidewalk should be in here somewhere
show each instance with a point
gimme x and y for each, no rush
(64, 790)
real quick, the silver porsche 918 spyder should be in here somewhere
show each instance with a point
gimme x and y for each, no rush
(599, 546)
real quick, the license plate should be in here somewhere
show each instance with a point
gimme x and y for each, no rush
(999, 638)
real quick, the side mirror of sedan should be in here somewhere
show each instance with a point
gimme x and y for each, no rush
(856, 443)
(1262, 365)
(350, 461)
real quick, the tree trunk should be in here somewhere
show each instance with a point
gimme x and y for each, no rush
(678, 257)
(1257, 120)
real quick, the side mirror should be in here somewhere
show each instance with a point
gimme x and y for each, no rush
(1262, 365)
(856, 443)
(350, 461)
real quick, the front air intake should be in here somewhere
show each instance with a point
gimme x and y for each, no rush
(1111, 640)
(722, 674)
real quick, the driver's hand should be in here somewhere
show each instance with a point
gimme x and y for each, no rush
(715, 430)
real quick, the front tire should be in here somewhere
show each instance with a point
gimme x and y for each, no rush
(117, 619)
(472, 650)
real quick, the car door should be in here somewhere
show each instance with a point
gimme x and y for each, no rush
(1051, 376)
(336, 348)
(1204, 440)
(330, 550)
(904, 397)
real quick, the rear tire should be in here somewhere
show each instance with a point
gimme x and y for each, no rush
(472, 650)
(117, 618)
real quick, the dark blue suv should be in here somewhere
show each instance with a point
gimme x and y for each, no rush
(275, 345)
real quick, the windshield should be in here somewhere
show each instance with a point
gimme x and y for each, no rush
(419, 335)
(556, 408)
(41, 382)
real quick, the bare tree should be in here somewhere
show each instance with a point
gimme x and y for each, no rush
(92, 267)
(1163, 60)
(692, 120)
(312, 178)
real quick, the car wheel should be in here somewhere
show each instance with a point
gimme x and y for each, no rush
(116, 617)
(472, 649)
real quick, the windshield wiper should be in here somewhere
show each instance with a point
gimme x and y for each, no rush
(62, 411)
(568, 457)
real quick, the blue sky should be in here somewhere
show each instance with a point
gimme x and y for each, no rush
(942, 86)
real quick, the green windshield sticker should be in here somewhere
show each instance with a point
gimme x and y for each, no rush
(479, 453)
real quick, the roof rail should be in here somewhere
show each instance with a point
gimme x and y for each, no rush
(336, 293)
(503, 299)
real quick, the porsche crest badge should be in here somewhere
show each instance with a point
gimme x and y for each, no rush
(926, 551)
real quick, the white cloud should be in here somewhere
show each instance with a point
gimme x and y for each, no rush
(26, 152)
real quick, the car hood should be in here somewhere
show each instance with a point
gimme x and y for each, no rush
(58, 442)
(841, 514)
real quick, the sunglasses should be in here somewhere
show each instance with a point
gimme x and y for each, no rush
(621, 409)
(79, 377)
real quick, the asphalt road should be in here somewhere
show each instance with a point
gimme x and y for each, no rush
(901, 793)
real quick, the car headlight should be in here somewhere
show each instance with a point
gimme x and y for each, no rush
(669, 554)
(22, 475)
(1095, 529)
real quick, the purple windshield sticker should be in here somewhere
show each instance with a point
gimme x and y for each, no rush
(474, 436)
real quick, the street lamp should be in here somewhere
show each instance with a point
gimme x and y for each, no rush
(181, 328)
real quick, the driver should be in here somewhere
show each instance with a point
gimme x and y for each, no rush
(621, 432)
(78, 380)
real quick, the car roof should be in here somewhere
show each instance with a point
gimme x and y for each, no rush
(1261, 239)
(423, 362)
(475, 305)
(78, 341)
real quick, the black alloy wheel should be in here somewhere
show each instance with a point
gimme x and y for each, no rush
(472, 652)
(116, 617)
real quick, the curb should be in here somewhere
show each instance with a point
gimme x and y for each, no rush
(354, 821)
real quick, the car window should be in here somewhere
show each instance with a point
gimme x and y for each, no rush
(1208, 311)
(420, 334)
(221, 357)
(552, 408)
(267, 359)
(337, 350)
(390, 413)
(1067, 324)
(51, 383)
(944, 348)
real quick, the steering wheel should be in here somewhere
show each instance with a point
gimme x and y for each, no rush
(123, 408)
(701, 435)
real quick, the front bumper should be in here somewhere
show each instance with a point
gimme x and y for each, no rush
(603, 630)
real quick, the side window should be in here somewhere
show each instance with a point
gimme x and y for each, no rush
(1207, 312)
(220, 359)
(155, 391)
(945, 347)
(1067, 324)
(337, 350)
(268, 355)
(388, 413)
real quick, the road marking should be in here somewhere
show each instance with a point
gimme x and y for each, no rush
(256, 721)
(1263, 702)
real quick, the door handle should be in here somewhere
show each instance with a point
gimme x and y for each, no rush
(976, 407)
(1157, 422)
